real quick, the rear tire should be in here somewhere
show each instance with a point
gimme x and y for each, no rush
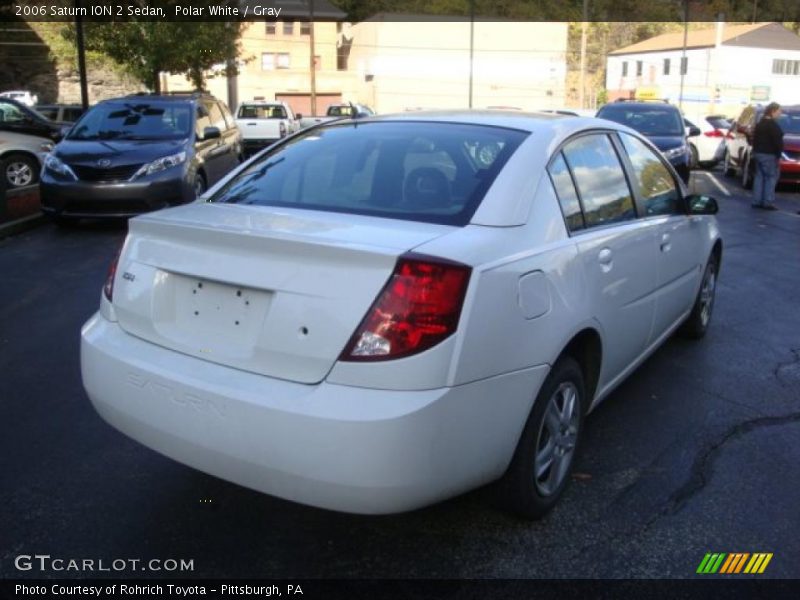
(727, 167)
(748, 173)
(696, 325)
(545, 455)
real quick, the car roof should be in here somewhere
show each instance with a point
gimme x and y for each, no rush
(630, 104)
(510, 119)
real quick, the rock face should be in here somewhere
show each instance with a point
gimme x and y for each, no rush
(103, 83)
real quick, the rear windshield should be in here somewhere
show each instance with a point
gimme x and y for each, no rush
(255, 111)
(652, 121)
(134, 121)
(719, 122)
(418, 171)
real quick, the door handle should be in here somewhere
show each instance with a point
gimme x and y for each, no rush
(605, 257)
(666, 243)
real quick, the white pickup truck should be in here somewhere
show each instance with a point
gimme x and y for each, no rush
(337, 111)
(263, 123)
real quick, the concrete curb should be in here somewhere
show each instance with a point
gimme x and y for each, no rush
(20, 225)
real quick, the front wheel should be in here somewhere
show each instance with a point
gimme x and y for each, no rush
(542, 464)
(20, 170)
(696, 325)
(694, 157)
(199, 185)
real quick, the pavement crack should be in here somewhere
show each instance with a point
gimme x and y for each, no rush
(701, 471)
(780, 368)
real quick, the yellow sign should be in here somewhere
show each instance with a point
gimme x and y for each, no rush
(648, 93)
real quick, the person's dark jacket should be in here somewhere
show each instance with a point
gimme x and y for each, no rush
(768, 137)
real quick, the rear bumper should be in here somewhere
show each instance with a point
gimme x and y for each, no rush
(123, 199)
(251, 146)
(343, 448)
(789, 172)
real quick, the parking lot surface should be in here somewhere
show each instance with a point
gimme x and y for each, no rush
(696, 452)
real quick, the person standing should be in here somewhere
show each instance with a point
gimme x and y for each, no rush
(767, 149)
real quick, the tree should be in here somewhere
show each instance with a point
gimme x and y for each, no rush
(147, 47)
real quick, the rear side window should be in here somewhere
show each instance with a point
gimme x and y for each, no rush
(656, 186)
(230, 122)
(566, 193)
(600, 180)
(432, 172)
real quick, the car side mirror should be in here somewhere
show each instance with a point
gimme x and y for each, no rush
(298, 116)
(211, 133)
(697, 204)
(693, 131)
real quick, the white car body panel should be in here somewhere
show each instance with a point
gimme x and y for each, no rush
(269, 407)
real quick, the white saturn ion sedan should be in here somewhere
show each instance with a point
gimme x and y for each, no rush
(374, 315)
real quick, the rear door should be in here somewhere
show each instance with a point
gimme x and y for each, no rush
(679, 240)
(617, 249)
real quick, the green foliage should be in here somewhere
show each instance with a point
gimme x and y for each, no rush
(145, 48)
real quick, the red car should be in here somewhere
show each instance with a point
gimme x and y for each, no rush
(740, 139)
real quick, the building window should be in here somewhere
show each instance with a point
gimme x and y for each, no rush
(288, 27)
(785, 67)
(271, 61)
(625, 68)
(684, 65)
(270, 29)
(305, 28)
(638, 68)
(666, 66)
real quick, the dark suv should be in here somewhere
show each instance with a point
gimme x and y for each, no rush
(139, 153)
(739, 145)
(661, 123)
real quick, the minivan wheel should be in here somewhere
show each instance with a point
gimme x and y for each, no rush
(543, 461)
(20, 170)
(696, 324)
(694, 158)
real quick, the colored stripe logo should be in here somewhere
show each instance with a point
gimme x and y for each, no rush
(734, 563)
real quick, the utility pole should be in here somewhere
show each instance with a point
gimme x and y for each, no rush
(312, 61)
(471, 45)
(684, 64)
(582, 84)
(81, 43)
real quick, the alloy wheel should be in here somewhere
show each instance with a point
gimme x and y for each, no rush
(558, 435)
(707, 293)
(19, 173)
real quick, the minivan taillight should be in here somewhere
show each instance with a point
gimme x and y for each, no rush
(418, 307)
(108, 288)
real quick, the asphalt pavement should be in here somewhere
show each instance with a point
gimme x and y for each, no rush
(696, 452)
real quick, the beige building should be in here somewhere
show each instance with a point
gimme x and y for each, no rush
(405, 64)
(394, 63)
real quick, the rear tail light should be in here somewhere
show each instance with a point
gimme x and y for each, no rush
(418, 307)
(282, 128)
(108, 288)
(714, 133)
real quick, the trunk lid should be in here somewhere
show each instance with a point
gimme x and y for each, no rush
(272, 291)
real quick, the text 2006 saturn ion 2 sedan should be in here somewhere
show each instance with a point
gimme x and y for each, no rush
(374, 315)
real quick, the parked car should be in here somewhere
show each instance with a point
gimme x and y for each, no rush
(25, 136)
(740, 141)
(338, 111)
(365, 318)
(65, 113)
(139, 153)
(264, 123)
(661, 123)
(709, 137)
(22, 96)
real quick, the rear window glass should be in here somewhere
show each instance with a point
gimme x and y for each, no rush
(255, 111)
(647, 120)
(419, 171)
